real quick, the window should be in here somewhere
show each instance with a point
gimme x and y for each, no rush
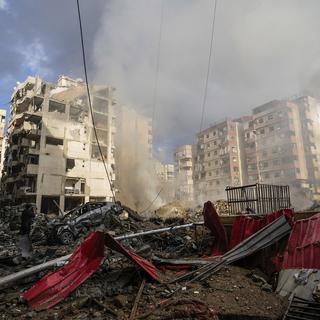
(271, 128)
(215, 152)
(276, 162)
(261, 131)
(56, 107)
(207, 135)
(70, 164)
(235, 169)
(208, 154)
(260, 120)
(54, 141)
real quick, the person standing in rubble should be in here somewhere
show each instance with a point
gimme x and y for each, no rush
(27, 217)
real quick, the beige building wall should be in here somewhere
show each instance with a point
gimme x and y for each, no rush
(52, 152)
(217, 161)
(184, 172)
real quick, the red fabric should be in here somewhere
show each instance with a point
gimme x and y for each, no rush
(212, 222)
(57, 285)
(303, 249)
(147, 266)
(244, 226)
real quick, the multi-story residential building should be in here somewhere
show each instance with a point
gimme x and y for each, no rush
(218, 159)
(284, 135)
(184, 172)
(3, 140)
(52, 156)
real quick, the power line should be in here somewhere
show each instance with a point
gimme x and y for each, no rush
(209, 63)
(152, 202)
(156, 80)
(89, 100)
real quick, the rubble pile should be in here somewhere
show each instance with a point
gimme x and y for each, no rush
(222, 207)
(192, 283)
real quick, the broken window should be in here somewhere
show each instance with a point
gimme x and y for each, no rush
(33, 159)
(54, 141)
(100, 105)
(55, 106)
(95, 153)
(77, 114)
(70, 164)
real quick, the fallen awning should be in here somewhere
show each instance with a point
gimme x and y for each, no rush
(146, 265)
(213, 223)
(57, 285)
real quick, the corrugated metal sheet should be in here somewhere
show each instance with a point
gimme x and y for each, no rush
(244, 226)
(303, 249)
(57, 285)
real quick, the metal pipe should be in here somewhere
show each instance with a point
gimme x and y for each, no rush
(144, 233)
(53, 263)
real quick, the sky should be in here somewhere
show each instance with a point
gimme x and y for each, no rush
(263, 50)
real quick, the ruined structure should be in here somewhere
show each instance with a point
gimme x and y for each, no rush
(3, 140)
(52, 155)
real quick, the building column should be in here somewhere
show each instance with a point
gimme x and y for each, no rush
(61, 202)
(38, 202)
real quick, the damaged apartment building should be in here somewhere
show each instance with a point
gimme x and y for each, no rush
(279, 143)
(52, 158)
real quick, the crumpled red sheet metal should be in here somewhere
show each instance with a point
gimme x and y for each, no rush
(146, 265)
(244, 226)
(212, 222)
(57, 285)
(303, 248)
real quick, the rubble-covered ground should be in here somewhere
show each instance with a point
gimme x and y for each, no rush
(232, 293)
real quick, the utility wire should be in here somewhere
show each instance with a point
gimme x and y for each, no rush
(152, 202)
(209, 63)
(156, 80)
(155, 91)
(89, 100)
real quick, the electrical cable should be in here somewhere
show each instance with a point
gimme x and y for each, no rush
(152, 202)
(89, 100)
(156, 80)
(209, 64)
(155, 91)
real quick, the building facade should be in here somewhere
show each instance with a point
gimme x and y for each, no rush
(3, 139)
(218, 160)
(184, 172)
(52, 157)
(278, 144)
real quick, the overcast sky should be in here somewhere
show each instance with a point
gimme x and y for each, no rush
(263, 50)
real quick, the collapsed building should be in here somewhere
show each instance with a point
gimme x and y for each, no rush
(278, 144)
(52, 157)
(3, 140)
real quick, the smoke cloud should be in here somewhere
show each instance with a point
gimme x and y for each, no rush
(263, 50)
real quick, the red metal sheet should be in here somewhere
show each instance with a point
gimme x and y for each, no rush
(212, 222)
(303, 249)
(244, 226)
(57, 285)
(146, 265)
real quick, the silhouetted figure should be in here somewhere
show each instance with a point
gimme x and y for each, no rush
(27, 218)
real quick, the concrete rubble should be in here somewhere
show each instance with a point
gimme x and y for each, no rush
(121, 290)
